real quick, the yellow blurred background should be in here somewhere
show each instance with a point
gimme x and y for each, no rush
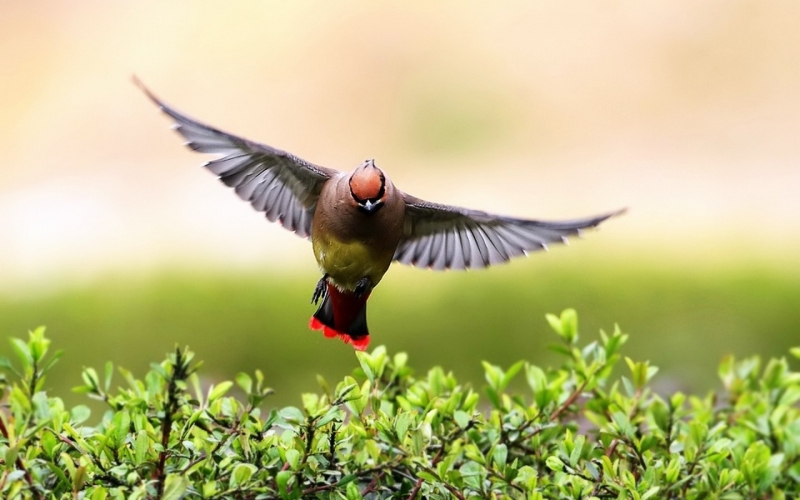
(688, 113)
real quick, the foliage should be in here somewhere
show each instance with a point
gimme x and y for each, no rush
(685, 318)
(578, 431)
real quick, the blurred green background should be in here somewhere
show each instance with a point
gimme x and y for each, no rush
(682, 320)
(114, 237)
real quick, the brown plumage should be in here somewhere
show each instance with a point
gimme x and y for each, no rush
(359, 222)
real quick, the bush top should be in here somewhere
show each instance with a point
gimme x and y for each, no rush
(578, 431)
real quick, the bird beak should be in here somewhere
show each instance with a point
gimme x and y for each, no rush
(370, 207)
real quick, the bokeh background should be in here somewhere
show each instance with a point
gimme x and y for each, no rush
(688, 113)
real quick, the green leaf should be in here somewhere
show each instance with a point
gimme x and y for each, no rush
(140, 448)
(11, 455)
(365, 360)
(471, 473)
(577, 450)
(660, 414)
(174, 487)
(310, 403)
(52, 361)
(216, 392)
(566, 326)
(537, 380)
(38, 344)
(493, 374)
(427, 476)
(292, 458)
(63, 481)
(641, 372)
(80, 414)
(347, 479)
(400, 360)
(560, 349)
(242, 474)
(5, 364)
(41, 406)
(22, 351)
(109, 373)
(555, 323)
(49, 443)
(510, 374)
(500, 455)
(402, 423)
(462, 418)
(66, 461)
(331, 414)
(99, 494)
(89, 376)
(527, 477)
(122, 424)
(282, 479)
(623, 424)
(554, 463)
(244, 381)
(79, 478)
(651, 492)
(292, 415)
(352, 492)
(494, 398)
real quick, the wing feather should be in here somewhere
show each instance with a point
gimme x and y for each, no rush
(457, 258)
(447, 237)
(423, 252)
(474, 261)
(286, 188)
(480, 242)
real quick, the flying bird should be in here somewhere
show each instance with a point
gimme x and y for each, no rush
(359, 222)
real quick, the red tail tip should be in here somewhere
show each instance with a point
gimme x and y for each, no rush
(361, 343)
(358, 344)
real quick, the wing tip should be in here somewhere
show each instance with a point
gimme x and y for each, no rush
(615, 213)
(602, 218)
(136, 81)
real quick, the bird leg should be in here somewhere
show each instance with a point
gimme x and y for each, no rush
(363, 286)
(320, 290)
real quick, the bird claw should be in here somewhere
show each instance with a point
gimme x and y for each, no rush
(319, 291)
(363, 286)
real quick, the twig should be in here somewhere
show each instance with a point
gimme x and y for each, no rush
(413, 494)
(329, 486)
(496, 474)
(372, 486)
(194, 462)
(179, 372)
(452, 489)
(571, 399)
(417, 486)
(611, 449)
(332, 445)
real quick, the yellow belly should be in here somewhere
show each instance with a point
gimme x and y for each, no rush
(348, 262)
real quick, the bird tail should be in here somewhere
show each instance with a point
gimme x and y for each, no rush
(342, 314)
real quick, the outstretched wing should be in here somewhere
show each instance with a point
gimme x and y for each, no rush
(281, 185)
(445, 237)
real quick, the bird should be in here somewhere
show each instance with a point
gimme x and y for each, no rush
(359, 223)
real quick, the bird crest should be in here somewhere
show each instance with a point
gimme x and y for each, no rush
(367, 182)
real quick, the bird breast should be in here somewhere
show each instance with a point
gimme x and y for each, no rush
(349, 244)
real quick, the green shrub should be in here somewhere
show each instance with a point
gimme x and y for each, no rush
(579, 431)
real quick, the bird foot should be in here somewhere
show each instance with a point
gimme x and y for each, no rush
(363, 286)
(320, 290)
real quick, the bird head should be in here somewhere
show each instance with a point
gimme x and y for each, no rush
(368, 187)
